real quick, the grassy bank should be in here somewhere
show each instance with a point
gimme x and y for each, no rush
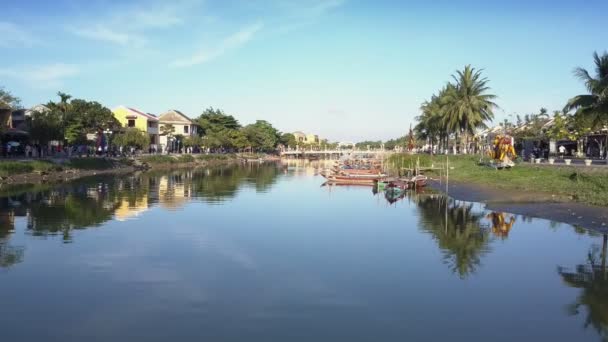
(10, 168)
(167, 160)
(586, 185)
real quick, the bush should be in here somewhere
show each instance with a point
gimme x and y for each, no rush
(158, 160)
(8, 168)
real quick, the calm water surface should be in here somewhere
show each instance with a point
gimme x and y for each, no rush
(264, 253)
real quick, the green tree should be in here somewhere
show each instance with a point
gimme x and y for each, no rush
(131, 137)
(215, 120)
(592, 106)
(193, 140)
(288, 140)
(8, 100)
(167, 129)
(467, 105)
(262, 135)
(238, 139)
(80, 117)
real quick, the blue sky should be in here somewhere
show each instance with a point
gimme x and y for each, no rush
(344, 69)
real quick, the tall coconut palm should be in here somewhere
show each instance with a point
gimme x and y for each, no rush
(467, 103)
(593, 106)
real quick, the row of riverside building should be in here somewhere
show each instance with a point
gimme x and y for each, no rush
(15, 123)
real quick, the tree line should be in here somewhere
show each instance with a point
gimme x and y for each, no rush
(71, 121)
(464, 105)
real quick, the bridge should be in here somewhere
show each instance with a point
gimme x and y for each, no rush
(336, 153)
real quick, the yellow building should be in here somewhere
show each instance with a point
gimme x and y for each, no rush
(129, 117)
(302, 137)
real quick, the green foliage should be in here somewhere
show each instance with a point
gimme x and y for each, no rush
(45, 127)
(370, 143)
(458, 109)
(158, 160)
(191, 141)
(262, 135)
(592, 106)
(76, 118)
(215, 120)
(167, 129)
(8, 168)
(589, 186)
(208, 157)
(131, 137)
(186, 158)
(288, 140)
(8, 100)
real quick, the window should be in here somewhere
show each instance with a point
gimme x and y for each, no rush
(186, 129)
(131, 123)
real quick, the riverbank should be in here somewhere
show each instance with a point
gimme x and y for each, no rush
(531, 204)
(14, 172)
(557, 183)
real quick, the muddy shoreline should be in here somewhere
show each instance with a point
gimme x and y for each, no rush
(539, 205)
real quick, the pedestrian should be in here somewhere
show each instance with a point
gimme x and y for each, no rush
(562, 150)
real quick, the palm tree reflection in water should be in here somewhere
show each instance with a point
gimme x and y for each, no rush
(592, 279)
(458, 231)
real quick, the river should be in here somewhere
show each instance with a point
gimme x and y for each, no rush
(264, 252)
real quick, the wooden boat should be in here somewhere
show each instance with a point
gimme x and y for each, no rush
(398, 184)
(418, 181)
(393, 194)
(354, 179)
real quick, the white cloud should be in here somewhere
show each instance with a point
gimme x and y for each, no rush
(231, 42)
(44, 76)
(11, 35)
(105, 34)
(128, 25)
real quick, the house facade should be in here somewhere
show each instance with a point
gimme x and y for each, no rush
(181, 123)
(133, 118)
(302, 137)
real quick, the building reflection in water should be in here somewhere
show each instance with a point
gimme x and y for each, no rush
(62, 209)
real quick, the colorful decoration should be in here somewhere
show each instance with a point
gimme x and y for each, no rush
(502, 151)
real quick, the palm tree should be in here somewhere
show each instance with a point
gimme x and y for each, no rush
(466, 104)
(593, 106)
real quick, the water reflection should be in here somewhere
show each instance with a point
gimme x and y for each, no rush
(91, 202)
(457, 228)
(501, 223)
(591, 277)
(9, 255)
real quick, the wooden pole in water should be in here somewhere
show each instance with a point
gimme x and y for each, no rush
(447, 173)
